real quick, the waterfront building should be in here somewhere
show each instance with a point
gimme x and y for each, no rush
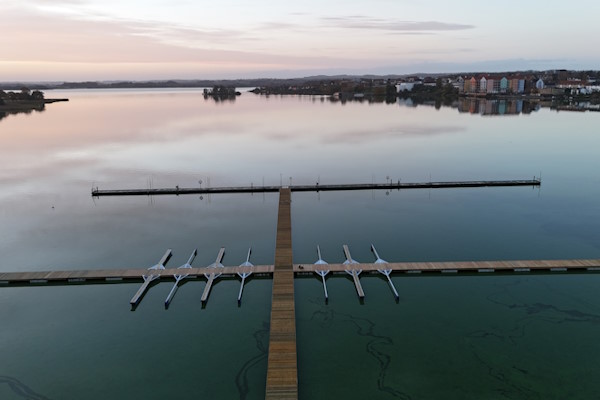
(492, 85)
(405, 86)
(517, 84)
(467, 86)
(483, 84)
(503, 85)
(539, 84)
(459, 84)
(473, 84)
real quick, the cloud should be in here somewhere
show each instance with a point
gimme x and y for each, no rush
(53, 38)
(369, 23)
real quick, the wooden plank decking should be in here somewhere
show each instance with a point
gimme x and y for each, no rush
(135, 274)
(464, 266)
(282, 373)
(129, 274)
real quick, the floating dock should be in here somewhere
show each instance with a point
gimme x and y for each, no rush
(385, 271)
(282, 373)
(354, 272)
(96, 276)
(398, 185)
(154, 274)
(180, 277)
(215, 272)
(322, 272)
(246, 272)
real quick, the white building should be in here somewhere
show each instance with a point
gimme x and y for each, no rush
(405, 87)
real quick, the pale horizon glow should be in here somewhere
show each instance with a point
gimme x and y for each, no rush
(74, 40)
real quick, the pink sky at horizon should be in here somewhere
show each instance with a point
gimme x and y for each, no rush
(91, 40)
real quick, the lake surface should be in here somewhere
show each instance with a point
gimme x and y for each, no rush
(512, 336)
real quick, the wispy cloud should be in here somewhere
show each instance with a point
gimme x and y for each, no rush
(370, 23)
(56, 38)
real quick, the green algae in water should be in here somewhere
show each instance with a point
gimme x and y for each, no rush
(465, 337)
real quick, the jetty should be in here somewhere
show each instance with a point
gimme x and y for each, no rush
(396, 185)
(150, 277)
(134, 274)
(215, 269)
(282, 373)
(385, 271)
(180, 277)
(322, 271)
(244, 273)
(354, 272)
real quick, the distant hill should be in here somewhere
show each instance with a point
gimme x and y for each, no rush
(257, 82)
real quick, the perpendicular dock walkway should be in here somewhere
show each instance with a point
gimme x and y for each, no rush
(117, 275)
(398, 185)
(135, 274)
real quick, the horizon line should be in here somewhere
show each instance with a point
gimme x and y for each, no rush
(287, 79)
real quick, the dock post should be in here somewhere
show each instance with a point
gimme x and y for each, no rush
(179, 277)
(149, 278)
(353, 272)
(211, 276)
(385, 272)
(244, 275)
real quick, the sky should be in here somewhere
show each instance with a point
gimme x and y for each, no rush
(75, 40)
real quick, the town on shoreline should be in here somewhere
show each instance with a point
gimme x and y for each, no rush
(563, 89)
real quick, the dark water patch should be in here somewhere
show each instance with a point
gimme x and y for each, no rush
(261, 338)
(376, 345)
(21, 389)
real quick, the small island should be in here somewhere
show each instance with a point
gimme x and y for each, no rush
(221, 93)
(24, 101)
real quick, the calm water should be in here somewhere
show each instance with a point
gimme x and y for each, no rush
(521, 336)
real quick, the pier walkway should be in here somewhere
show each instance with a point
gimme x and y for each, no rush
(93, 276)
(314, 188)
(282, 374)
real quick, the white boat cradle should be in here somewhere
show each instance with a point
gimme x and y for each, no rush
(179, 277)
(244, 274)
(353, 272)
(320, 267)
(211, 276)
(384, 271)
(322, 272)
(149, 278)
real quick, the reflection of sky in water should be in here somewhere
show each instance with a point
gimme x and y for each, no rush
(166, 138)
(123, 139)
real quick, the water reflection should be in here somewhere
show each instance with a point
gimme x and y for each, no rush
(119, 139)
(6, 113)
(497, 106)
